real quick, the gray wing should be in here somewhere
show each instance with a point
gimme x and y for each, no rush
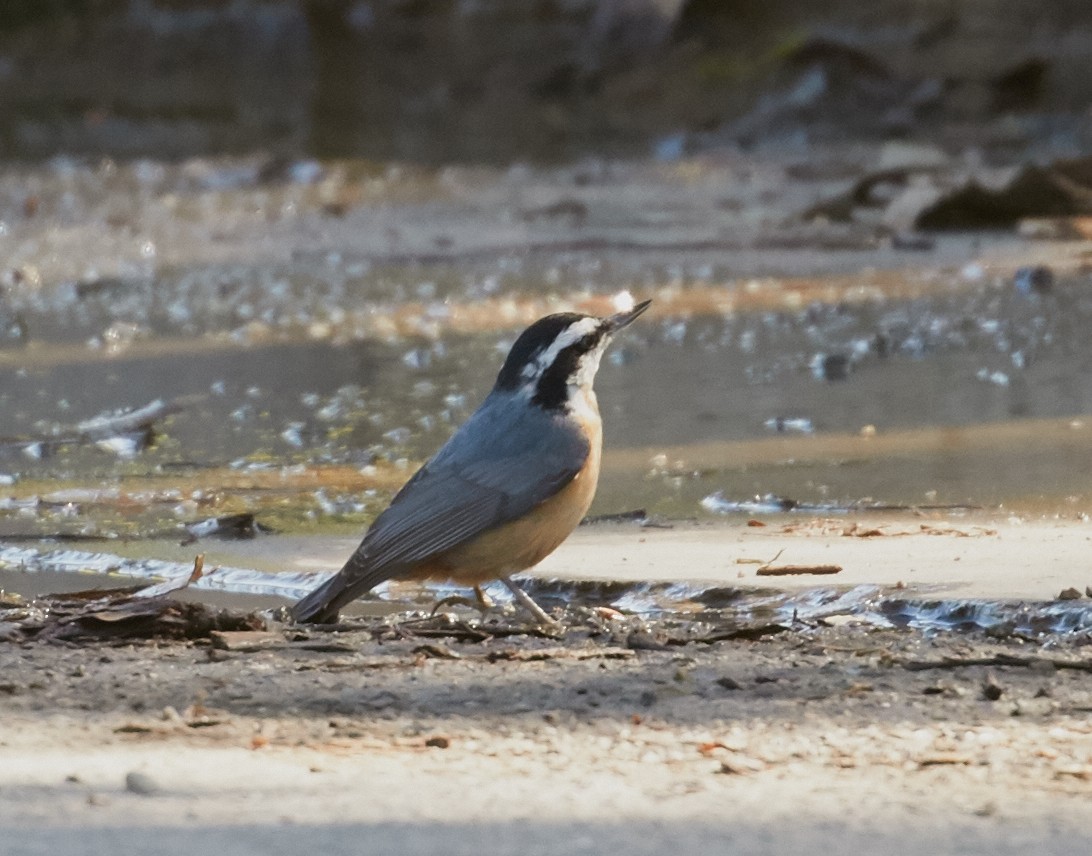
(487, 474)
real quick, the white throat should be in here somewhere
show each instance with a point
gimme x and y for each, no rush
(584, 376)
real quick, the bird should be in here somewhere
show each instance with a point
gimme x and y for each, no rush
(508, 486)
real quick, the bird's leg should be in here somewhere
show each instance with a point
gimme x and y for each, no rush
(481, 602)
(483, 599)
(527, 603)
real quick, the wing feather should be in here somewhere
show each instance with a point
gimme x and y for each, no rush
(426, 521)
(454, 499)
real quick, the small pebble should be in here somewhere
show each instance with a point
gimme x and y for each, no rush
(831, 367)
(140, 783)
(1033, 707)
(643, 640)
(1038, 279)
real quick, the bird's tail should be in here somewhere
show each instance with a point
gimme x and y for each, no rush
(322, 605)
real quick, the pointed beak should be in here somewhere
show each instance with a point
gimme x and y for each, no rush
(614, 323)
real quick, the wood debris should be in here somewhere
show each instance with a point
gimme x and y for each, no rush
(797, 570)
(246, 640)
(561, 653)
(937, 759)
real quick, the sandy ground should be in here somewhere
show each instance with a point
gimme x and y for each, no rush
(975, 558)
(820, 737)
(978, 555)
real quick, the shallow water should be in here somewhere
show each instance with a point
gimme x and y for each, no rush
(695, 408)
(323, 332)
(59, 570)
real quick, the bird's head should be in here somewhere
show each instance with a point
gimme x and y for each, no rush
(559, 355)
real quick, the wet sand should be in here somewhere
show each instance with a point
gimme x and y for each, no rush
(976, 558)
(980, 556)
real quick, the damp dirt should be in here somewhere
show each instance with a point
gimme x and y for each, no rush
(825, 731)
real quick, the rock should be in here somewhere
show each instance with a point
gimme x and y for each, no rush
(643, 640)
(991, 690)
(1033, 707)
(1035, 279)
(830, 366)
(140, 783)
(1061, 189)
(246, 640)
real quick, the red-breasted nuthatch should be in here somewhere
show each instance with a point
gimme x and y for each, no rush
(510, 484)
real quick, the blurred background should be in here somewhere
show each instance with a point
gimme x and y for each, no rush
(259, 257)
(485, 81)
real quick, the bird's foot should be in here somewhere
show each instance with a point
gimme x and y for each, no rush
(484, 604)
(481, 602)
(487, 603)
(459, 600)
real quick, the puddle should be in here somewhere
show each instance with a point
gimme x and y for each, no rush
(717, 503)
(694, 383)
(699, 605)
(117, 570)
(866, 604)
(1005, 619)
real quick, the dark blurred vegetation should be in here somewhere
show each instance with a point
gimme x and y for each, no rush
(498, 80)
(19, 13)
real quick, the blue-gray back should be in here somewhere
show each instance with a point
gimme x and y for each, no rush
(506, 459)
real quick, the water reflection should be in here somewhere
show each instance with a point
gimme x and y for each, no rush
(688, 402)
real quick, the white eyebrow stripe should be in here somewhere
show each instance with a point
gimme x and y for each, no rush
(569, 336)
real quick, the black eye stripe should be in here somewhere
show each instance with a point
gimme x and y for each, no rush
(552, 390)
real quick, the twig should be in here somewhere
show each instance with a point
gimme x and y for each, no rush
(791, 570)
